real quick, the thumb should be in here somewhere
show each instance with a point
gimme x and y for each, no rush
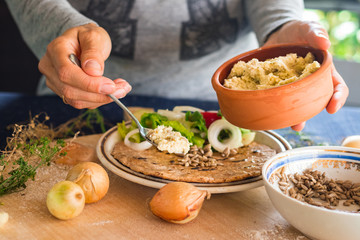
(318, 37)
(95, 47)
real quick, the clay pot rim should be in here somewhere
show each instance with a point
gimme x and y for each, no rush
(218, 87)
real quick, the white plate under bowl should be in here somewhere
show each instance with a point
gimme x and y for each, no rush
(110, 138)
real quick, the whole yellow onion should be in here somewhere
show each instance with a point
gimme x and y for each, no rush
(65, 200)
(92, 178)
(178, 202)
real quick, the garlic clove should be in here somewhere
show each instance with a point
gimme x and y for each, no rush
(178, 202)
(4, 217)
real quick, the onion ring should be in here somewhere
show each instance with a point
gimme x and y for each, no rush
(171, 115)
(136, 146)
(187, 109)
(214, 130)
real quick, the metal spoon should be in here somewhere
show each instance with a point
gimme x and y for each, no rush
(143, 131)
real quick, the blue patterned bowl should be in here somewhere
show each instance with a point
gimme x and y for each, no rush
(316, 222)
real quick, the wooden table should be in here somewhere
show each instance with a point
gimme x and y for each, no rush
(124, 214)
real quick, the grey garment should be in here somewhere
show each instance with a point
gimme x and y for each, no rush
(162, 48)
(41, 21)
(267, 15)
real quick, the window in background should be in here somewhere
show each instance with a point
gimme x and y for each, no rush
(343, 29)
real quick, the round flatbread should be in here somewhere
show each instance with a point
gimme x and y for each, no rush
(245, 164)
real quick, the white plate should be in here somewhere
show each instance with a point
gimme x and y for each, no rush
(110, 138)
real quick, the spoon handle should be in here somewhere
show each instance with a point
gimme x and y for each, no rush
(117, 101)
(76, 61)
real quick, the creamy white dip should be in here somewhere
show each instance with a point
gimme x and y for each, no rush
(169, 140)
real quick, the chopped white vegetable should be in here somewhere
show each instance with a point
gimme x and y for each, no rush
(187, 109)
(248, 138)
(234, 141)
(136, 146)
(171, 115)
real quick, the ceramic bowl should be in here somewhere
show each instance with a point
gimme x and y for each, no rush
(277, 107)
(339, 163)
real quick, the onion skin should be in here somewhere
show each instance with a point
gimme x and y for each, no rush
(65, 200)
(75, 153)
(178, 202)
(92, 178)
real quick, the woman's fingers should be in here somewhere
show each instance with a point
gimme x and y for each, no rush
(81, 87)
(298, 127)
(302, 32)
(122, 88)
(83, 99)
(341, 92)
(73, 96)
(58, 53)
(313, 34)
(95, 49)
(338, 99)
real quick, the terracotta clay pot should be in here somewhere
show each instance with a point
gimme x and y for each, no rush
(277, 107)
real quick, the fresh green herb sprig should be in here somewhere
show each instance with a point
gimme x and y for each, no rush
(17, 177)
(31, 146)
(22, 169)
(89, 118)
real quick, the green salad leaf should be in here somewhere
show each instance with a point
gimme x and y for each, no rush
(197, 120)
(152, 120)
(244, 130)
(177, 126)
(198, 141)
(123, 130)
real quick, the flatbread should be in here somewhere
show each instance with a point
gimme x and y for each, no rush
(246, 164)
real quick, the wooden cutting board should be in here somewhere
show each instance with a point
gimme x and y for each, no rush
(124, 214)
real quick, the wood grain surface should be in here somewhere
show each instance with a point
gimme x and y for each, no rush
(124, 214)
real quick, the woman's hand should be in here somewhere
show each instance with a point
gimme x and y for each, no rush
(313, 34)
(83, 87)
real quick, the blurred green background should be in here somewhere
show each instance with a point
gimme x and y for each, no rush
(343, 29)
